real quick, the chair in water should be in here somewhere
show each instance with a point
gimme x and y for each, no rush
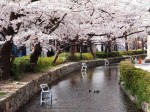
(84, 67)
(106, 62)
(46, 94)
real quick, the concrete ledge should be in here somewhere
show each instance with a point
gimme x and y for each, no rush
(26, 90)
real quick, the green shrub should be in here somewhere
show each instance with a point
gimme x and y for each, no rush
(87, 56)
(22, 64)
(66, 54)
(113, 54)
(77, 57)
(2, 93)
(15, 71)
(123, 53)
(63, 57)
(101, 55)
(43, 63)
(133, 52)
(136, 80)
(106, 55)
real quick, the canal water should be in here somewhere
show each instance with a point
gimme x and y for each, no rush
(97, 90)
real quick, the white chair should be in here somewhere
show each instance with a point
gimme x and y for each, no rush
(46, 94)
(106, 62)
(84, 67)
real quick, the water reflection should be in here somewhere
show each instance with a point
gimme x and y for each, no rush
(78, 93)
(108, 72)
(84, 76)
(90, 74)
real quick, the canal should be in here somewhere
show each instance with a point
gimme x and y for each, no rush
(97, 90)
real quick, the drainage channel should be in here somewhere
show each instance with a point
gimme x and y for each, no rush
(97, 90)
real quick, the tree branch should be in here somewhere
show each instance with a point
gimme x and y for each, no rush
(93, 34)
(57, 24)
(106, 13)
(38, 18)
(125, 35)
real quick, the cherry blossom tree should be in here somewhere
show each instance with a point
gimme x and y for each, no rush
(94, 18)
(17, 24)
(76, 21)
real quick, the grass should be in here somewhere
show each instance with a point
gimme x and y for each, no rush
(2, 94)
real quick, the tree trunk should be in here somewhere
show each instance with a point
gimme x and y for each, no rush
(108, 47)
(115, 47)
(81, 51)
(56, 56)
(126, 46)
(105, 48)
(126, 43)
(5, 59)
(73, 48)
(142, 44)
(35, 55)
(91, 49)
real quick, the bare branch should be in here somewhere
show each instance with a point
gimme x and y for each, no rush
(125, 34)
(106, 13)
(56, 26)
(14, 16)
(93, 34)
(92, 12)
(38, 18)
